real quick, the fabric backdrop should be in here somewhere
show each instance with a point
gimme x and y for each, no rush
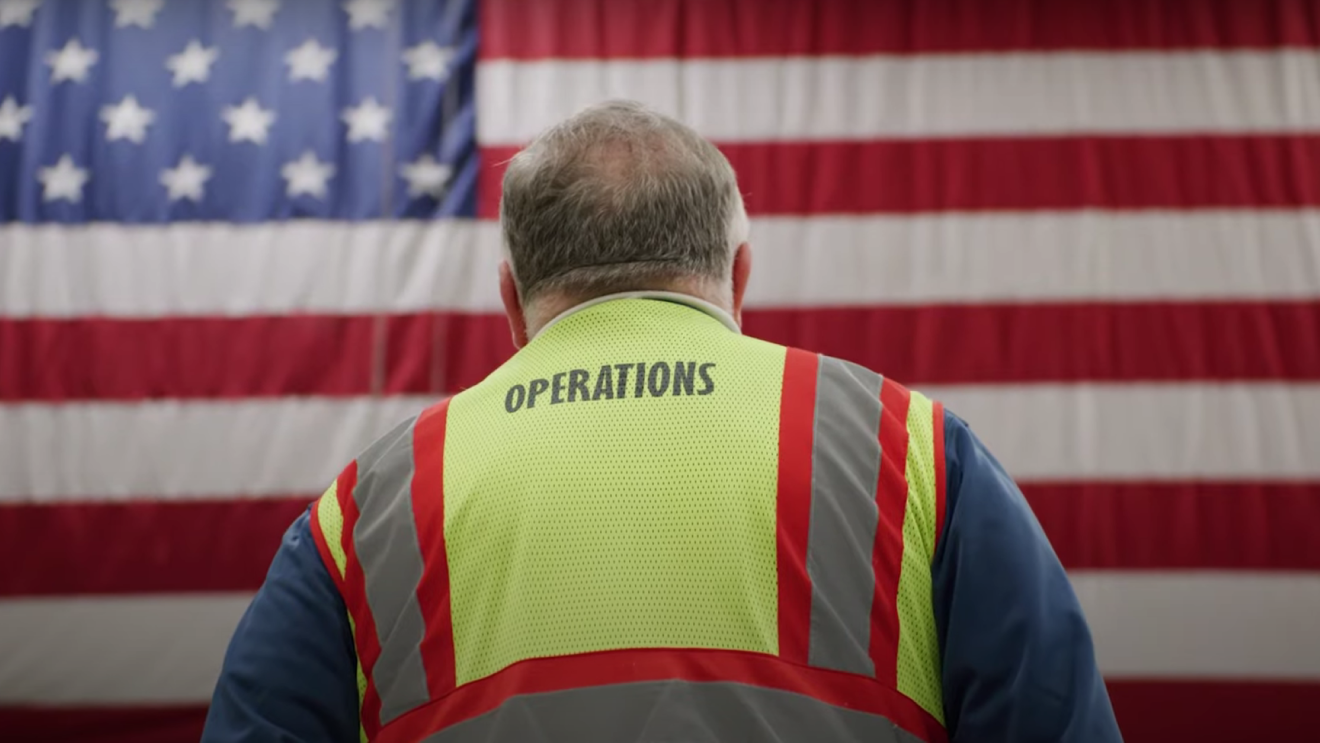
(241, 239)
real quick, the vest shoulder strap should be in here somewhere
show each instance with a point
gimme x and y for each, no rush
(876, 479)
(354, 524)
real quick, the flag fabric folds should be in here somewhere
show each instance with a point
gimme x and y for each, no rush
(239, 240)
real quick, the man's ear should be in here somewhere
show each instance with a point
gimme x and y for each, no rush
(513, 305)
(742, 271)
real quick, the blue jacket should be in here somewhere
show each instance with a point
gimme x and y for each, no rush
(1018, 660)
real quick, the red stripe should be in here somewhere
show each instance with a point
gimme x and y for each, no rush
(142, 547)
(428, 502)
(1060, 342)
(1008, 173)
(182, 724)
(568, 672)
(183, 357)
(797, 414)
(179, 357)
(355, 599)
(523, 29)
(941, 469)
(887, 553)
(1166, 711)
(1170, 526)
(1002, 342)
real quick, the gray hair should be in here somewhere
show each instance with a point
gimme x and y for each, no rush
(619, 198)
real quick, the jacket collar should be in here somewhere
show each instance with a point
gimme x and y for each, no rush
(676, 297)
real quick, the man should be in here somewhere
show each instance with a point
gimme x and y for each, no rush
(648, 527)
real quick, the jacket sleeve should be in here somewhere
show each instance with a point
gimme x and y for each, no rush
(290, 673)
(1018, 661)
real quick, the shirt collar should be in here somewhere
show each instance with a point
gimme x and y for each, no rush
(688, 300)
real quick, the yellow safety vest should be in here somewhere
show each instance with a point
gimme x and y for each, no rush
(647, 526)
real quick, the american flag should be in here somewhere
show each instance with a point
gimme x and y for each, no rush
(239, 240)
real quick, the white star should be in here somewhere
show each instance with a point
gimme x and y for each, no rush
(367, 13)
(259, 13)
(193, 64)
(428, 61)
(71, 62)
(248, 122)
(12, 119)
(62, 181)
(307, 175)
(127, 120)
(187, 180)
(369, 120)
(136, 12)
(17, 12)
(310, 61)
(426, 177)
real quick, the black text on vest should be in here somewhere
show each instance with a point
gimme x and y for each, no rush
(613, 382)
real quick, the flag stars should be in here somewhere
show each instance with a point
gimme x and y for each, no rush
(17, 12)
(136, 12)
(71, 62)
(368, 13)
(248, 122)
(428, 61)
(193, 64)
(64, 180)
(310, 61)
(367, 121)
(307, 176)
(187, 180)
(259, 13)
(426, 177)
(12, 119)
(127, 120)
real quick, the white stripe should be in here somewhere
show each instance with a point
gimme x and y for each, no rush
(1137, 432)
(115, 650)
(114, 451)
(1203, 625)
(797, 98)
(1041, 256)
(162, 649)
(345, 268)
(229, 269)
(258, 447)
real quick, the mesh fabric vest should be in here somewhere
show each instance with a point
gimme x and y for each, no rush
(645, 526)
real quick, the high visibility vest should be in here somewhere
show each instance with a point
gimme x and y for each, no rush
(645, 526)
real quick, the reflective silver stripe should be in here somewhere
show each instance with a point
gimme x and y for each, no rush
(673, 711)
(845, 462)
(387, 548)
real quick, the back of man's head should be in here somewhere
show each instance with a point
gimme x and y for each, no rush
(620, 198)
